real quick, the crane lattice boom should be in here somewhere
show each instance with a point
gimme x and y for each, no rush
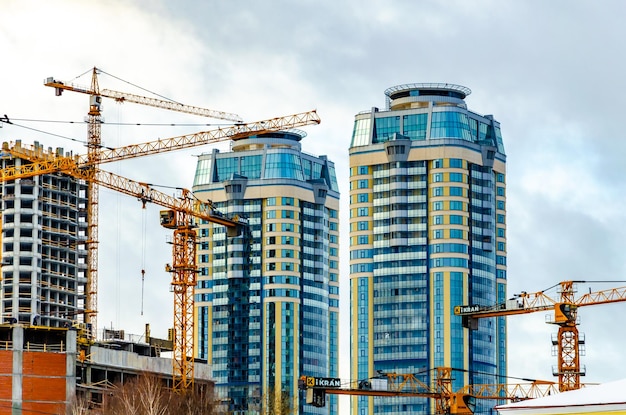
(118, 96)
(45, 162)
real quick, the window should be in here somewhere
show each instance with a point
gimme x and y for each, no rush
(500, 178)
(363, 240)
(438, 234)
(456, 219)
(437, 164)
(287, 214)
(438, 191)
(362, 169)
(363, 184)
(456, 191)
(270, 214)
(233, 188)
(270, 201)
(362, 197)
(500, 204)
(395, 150)
(438, 177)
(288, 201)
(363, 212)
(438, 220)
(456, 234)
(456, 163)
(456, 205)
(362, 226)
(456, 177)
(437, 205)
(500, 191)
(501, 233)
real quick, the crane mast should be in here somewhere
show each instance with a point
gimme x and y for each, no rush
(94, 144)
(565, 307)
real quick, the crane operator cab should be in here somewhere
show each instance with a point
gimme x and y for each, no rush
(168, 219)
(565, 313)
(462, 404)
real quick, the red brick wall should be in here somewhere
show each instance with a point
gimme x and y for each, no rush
(43, 380)
(6, 381)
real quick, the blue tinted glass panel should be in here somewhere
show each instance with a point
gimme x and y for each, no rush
(226, 167)
(450, 125)
(251, 166)
(306, 167)
(317, 171)
(499, 142)
(414, 126)
(384, 128)
(333, 178)
(283, 166)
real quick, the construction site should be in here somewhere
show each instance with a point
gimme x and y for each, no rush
(53, 349)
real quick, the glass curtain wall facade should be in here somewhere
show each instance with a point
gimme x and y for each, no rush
(427, 233)
(268, 298)
(44, 256)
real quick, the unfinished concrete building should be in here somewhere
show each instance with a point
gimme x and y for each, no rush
(44, 255)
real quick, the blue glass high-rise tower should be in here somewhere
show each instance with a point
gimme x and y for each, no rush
(268, 299)
(427, 233)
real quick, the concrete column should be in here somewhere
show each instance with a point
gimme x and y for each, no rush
(70, 365)
(18, 359)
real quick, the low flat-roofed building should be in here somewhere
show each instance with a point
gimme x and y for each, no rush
(607, 398)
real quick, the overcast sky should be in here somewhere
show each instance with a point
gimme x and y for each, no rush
(551, 72)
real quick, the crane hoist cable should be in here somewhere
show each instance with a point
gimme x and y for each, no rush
(143, 252)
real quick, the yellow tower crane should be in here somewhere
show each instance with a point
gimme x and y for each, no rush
(183, 267)
(94, 147)
(565, 308)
